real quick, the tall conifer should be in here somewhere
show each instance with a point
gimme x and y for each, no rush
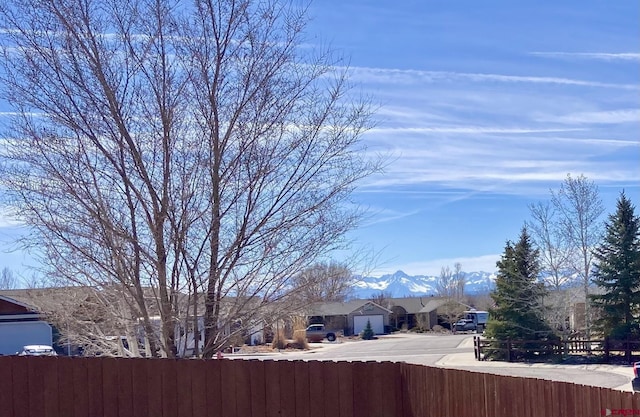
(618, 274)
(518, 296)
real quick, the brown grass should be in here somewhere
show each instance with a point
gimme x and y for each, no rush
(299, 331)
(279, 340)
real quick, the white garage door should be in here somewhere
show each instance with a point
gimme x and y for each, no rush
(360, 322)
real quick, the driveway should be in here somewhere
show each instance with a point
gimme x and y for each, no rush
(451, 351)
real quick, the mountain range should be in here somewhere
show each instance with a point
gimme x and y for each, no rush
(400, 284)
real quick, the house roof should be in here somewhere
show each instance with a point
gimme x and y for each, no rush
(336, 308)
(414, 305)
(46, 300)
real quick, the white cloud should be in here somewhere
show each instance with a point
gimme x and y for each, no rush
(601, 56)
(8, 219)
(467, 130)
(597, 117)
(411, 76)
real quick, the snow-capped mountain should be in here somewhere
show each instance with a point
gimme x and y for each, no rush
(400, 284)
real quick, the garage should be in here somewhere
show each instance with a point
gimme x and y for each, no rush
(376, 320)
(15, 335)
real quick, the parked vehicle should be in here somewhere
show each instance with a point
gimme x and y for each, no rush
(464, 325)
(474, 320)
(318, 332)
(37, 350)
(635, 382)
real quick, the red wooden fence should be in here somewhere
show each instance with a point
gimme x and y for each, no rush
(68, 387)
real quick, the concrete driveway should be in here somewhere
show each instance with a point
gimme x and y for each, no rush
(451, 351)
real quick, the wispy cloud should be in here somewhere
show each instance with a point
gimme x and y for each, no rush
(468, 130)
(601, 56)
(597, 117)
(410, 76)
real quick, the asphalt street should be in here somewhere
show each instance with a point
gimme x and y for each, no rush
(450, 351)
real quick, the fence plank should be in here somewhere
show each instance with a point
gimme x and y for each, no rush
(228, 388)
(125, 387)
(360, 390)
(35, 387)
(301, 388)
(258, 382)
(287, 393)
(6, 385)
(213, 383)
(331, 381)
(345, 388)
(50, 390)
(184, 390)
(196, 369)
(94, 383)
(169, 388)
(241, 387)
(153, 370)
(19, 368)
(316, 389)
(272, 388)
(64, 384)
(142, 393)
(110, 387)
(387, 382)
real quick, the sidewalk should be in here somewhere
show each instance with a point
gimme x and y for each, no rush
(467, 359)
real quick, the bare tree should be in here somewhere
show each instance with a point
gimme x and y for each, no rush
(450, 286)
(8, 280)
(191, 156)
(579, 209)
(381, 298)
(323, 282)
(554, 245)
(555, 252)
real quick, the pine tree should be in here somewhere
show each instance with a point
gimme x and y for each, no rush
(618, 274)
(367, 333)
(518, 311)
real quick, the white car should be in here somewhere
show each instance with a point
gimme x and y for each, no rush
(37, 350)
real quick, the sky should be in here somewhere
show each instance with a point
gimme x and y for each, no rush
(485, 107)
(482, 108)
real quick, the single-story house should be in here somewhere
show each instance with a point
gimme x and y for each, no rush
(391, 313)
(350, 316)
(412, 312)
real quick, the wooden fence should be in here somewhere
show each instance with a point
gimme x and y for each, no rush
(68, 387)
(512, 350)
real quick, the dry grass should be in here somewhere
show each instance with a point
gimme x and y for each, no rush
(299, 332)
(279, 340)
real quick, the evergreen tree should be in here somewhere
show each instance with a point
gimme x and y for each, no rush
(367, 333)
(518, 311)
(618, 274)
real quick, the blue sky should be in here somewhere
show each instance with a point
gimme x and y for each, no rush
(484, 106)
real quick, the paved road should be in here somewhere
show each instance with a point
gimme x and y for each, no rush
(453, 351)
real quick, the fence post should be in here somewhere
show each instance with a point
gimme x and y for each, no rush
(476, 348)
(606, 348)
